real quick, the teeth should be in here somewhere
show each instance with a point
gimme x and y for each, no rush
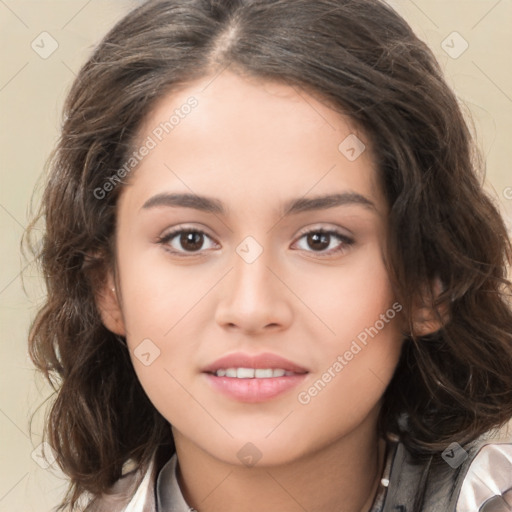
(260, 373)
(251, 373)
(244, 373)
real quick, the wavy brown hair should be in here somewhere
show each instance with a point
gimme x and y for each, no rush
(362, 59)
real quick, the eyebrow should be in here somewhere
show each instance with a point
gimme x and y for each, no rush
(293, 206)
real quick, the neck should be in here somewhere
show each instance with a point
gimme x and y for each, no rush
(343, 476)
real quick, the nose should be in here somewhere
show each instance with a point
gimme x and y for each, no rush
(253, 300)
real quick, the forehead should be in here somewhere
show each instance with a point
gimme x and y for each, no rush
(259, 139)
(245, 108)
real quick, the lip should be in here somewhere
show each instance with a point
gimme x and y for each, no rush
(254, 390)
(263, 360)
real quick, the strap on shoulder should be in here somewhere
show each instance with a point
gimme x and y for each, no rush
(429, 487)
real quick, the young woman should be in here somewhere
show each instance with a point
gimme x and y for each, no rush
(274, 279)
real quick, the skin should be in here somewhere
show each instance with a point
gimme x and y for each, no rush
(254, 145)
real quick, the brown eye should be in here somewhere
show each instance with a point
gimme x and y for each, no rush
(183, 241)
(324, 242)
(318, 241)
(191, 240)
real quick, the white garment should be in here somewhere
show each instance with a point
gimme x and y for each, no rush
(137, 502)
(489, 475)
(169, 495)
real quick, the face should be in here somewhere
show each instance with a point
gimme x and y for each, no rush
(262, 267)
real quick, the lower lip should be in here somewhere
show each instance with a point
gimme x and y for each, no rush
(254, 390)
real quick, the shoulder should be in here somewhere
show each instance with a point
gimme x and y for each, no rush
(487, 484)
(476, 478)
(133, 492)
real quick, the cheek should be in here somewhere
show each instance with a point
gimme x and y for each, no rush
(356, 371)
(159, 315)
(349, 299)
(158, 296)
(361, 351)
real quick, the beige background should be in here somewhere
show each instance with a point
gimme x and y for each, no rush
(32, 90)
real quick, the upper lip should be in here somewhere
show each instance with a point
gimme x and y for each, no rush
(264, 360)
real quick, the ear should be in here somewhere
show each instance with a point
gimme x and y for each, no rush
(108, 303)
(425, 319)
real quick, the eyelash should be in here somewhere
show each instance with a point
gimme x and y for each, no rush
(168, 237)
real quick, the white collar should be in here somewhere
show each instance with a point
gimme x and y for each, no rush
(169, 495)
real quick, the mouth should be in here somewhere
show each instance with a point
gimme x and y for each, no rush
(253, 366)
(253, 379)
(253, 373)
